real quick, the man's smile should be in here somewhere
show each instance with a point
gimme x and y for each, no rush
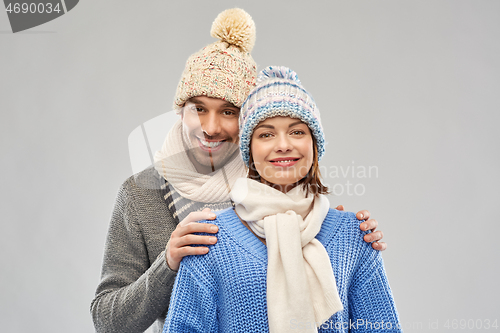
(210, 145)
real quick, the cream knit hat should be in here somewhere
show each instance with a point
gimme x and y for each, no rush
(224, 69)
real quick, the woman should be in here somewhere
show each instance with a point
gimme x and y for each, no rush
(284, 261)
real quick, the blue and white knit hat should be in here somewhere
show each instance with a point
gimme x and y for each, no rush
(278, 92)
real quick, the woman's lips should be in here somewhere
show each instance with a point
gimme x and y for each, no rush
(284, 162)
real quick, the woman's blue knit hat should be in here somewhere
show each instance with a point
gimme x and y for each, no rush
(278, 93)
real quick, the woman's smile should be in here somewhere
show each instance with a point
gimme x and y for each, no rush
(284, 161)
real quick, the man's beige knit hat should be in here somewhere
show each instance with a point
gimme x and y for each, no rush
(224, 69)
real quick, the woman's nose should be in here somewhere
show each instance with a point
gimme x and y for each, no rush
(283, 144)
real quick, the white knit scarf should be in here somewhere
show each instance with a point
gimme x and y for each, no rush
(172, 162)
(301, 286)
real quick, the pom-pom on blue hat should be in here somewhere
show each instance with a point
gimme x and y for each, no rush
(278, 92)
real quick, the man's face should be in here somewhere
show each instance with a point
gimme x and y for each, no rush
(210, 132)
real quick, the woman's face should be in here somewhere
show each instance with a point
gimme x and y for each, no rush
(282, 150)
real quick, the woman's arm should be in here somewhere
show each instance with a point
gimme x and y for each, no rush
(370, 299)
(193, 304)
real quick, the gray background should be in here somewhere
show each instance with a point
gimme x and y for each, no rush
(410, 87)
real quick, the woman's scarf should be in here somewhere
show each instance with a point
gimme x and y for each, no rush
(301, 287)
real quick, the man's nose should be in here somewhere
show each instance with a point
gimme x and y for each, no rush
(211, 125)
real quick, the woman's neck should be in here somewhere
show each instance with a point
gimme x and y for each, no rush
(282, 188)
(263, 240)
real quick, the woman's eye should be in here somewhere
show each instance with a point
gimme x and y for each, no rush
(298, 132)
(264, 135)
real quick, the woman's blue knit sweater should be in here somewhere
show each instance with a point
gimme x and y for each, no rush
(225, 290)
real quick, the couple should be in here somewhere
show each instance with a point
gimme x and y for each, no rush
(284, 261)
(194, 172)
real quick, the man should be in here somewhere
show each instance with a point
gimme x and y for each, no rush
(152, 227)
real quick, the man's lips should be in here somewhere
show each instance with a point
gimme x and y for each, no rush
(284, 161)
(210, 146)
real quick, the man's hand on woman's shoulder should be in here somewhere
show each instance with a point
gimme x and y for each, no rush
(369, 224)
(182, 238)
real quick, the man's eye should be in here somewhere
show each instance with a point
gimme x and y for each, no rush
(229, 113)
(195, 109)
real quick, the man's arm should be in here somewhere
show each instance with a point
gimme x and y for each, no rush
(369, 224)
(133, 292)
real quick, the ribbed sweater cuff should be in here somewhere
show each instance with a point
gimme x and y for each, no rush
(160, 269)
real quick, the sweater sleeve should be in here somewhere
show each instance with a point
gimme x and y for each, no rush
(193, 305)
(371, 304)
(132, 293)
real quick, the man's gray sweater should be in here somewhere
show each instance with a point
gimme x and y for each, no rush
(136, 281)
